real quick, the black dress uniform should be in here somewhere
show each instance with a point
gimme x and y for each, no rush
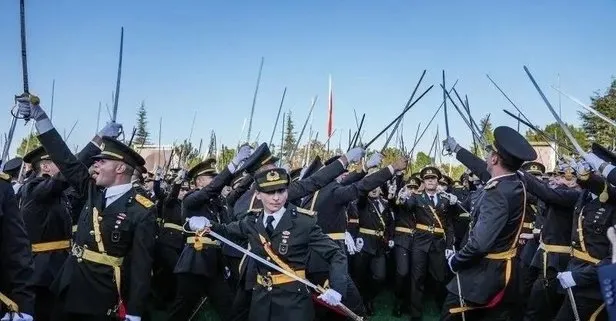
(554, 250)
(248, 205)
(376, 224)
(330, 203)
(16, 265)
(108, 274)
(200, 268)
(277, 296)
(486, 265)
(46, 209)
(607, 281)
(434, 232)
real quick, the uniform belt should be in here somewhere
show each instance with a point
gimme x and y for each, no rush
(529, 225)
(404, 230)
(10, 304)
(432, 229)
(584, 256)
(336, 236)
(277, 279)
(84, 254)
(506, 255)
(354, 220)
(173, 226)
(199, 241)
(370, 232)
(555, 248)
(51, 246)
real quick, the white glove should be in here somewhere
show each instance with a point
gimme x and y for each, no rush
(583, 167)
(403, 194)
(527, 236)
(112, 129)
(374, 160)
(449, 253)
(241, 155)
(350, 244)
(27, 109)
(390, 243)
(594, 160)
(198, 223)
(331, 297)
(132, 318)
(451, 145)
(181, 177)
(17, 317)
(451, 197)
(355, 154)
(359, 244)
(566, 279)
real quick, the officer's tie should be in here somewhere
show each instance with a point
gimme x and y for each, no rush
(269, 227)
(433, 200)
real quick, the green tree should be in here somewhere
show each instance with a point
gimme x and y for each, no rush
(225, 157)
(554, 130)
(421, 160)
(390, 155)
(187, 154)
(142, 134)
(597, 129)
(28, 144)
(289, 138)
(486, 131)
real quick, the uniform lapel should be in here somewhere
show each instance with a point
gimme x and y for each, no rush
(119, 205)
(285, 224)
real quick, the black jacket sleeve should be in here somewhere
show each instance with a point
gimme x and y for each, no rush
(204, 195)
(345, 194)
(316, 181)
(477, 165)
(16, 265)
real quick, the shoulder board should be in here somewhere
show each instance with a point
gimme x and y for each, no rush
(305, 211)
(5, 176)
(144, 201)
(491, 185)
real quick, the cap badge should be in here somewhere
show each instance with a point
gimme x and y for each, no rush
(272, 176)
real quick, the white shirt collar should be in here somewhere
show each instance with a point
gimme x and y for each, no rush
(277, 216)
(497, 177)
(114, 192)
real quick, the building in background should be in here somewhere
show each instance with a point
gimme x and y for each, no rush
(546, 154)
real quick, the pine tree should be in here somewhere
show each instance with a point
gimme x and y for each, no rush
(31, 142)
(596, 128)
(289, 138)
(142, 134)
(486, 131)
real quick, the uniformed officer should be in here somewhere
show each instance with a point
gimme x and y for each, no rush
(108, 275)
(485, 265)
(12, 168)
(16, 265)
(200, 268)
(284, 235)
(46, 209)
(434, 234)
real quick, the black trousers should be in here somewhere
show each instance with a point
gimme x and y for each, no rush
(402, 283)
(371, 272)
(544, 301)
(432, 262)
(350, 298)
(44, 304)
(501, 312)
(192, 288)
(164, 283)
(233, 263)
(240, 310)
(585, 307)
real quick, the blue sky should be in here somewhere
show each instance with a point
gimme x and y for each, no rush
(204, 55)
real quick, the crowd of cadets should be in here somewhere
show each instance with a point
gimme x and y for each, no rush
(93, 236)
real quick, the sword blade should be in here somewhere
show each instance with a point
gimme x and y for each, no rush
(560, 122)
(590, 109)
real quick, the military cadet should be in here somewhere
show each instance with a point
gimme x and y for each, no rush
(403, 242)
(46, 209)
(285, 235)
(485, 264)
(434, 234)
(461, 189)
(12, 168)
(375, 237)
(16, 265)
(108, 275)
(200, 268)
(248, 204)
(330, 202)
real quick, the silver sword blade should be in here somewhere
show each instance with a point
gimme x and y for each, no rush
(590, 109)
(573, 305)
(564, 127)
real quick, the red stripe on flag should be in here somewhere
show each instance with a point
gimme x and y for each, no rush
(330, 110)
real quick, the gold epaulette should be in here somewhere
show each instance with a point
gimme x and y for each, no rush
(144, 201)
(491, 185)
(5, 176)
(305, 211)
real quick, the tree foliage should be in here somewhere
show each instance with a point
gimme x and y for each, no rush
(554, 131)
(187, 154)
(28, 144)
(596, 128)
(225, 156)
(142, 134)
(289, 138)
(485, 124)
